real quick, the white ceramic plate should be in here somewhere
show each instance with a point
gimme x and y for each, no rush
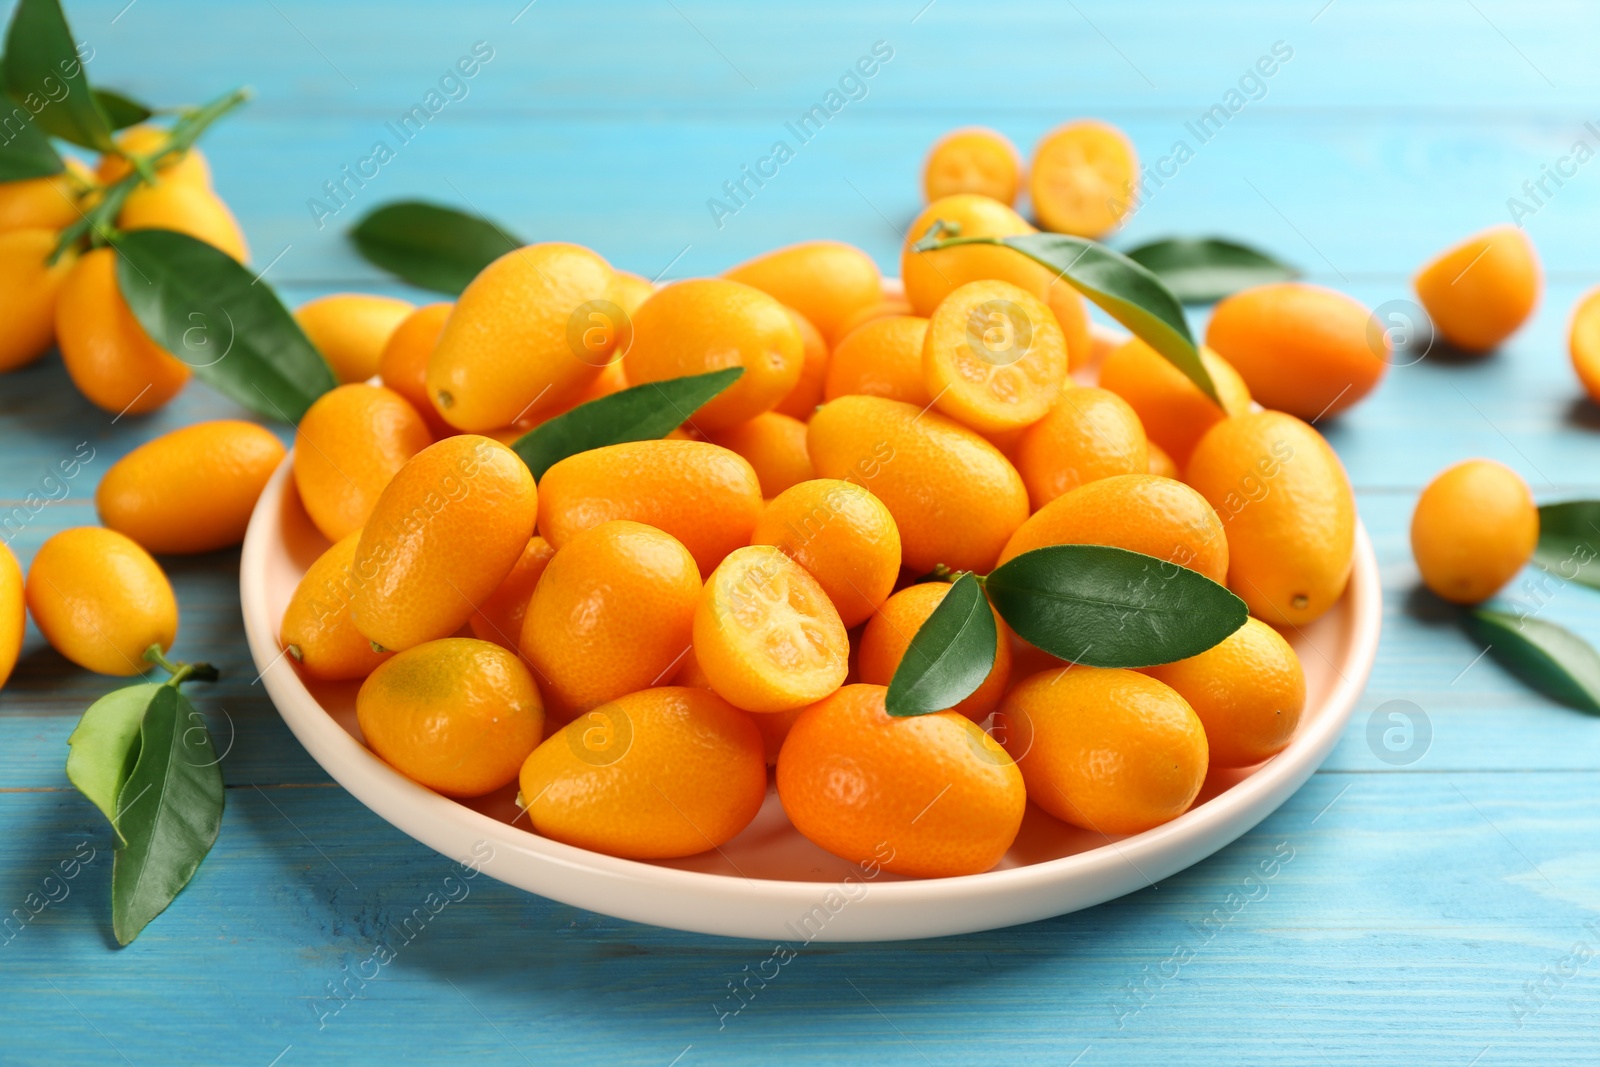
(769, 882)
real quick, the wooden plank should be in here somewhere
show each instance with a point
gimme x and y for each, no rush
(638, 191)
(953, 59)
(1522, 406)
(1374, 917)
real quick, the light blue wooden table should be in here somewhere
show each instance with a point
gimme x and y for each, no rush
(1438, 910)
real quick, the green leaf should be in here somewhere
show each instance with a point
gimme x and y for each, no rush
(208, 310)
(641, 413)
(950, 655)
(1569, 540)
(428, 245)
(1203, 270)
(1108, 607)
(25, 149)
(105, 745)
(1550, 658)
(44, 75)
(1122, 288)
(120, 109)
(171, 811)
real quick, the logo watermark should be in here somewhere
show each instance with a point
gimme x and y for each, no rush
(600, 736)
(341, 992)
(806, 928)
(999, 332)
(1400, 333)
(1251, 86)
(53, 90)
(52, 488)
(1399, 732)
(452, 86)
(55, 888)
(1542, 988)
(1536, 192)
(739, 191)
(1140, 990)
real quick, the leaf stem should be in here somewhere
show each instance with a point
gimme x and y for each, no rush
(99, 224)
(194, 122)
(181, 672)
(944, 234)
(931, 243)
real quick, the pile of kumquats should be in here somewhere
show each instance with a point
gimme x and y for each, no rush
(933, 549)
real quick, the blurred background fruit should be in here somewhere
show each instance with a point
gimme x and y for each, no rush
(191, 209)
(826, 281)
(187, 168)
(1475, 526)
(112, 361)
(1480, 291)
(972, 160)
(351, 330)
(1583, 342)
(44, 203)
(29, 290)
(191, 490)
(1304, 349)
(13, 612)
(1083, 178)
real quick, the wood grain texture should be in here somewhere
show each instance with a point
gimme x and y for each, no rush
(1408, 906)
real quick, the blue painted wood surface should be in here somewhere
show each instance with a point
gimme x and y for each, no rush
(1413, 908)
